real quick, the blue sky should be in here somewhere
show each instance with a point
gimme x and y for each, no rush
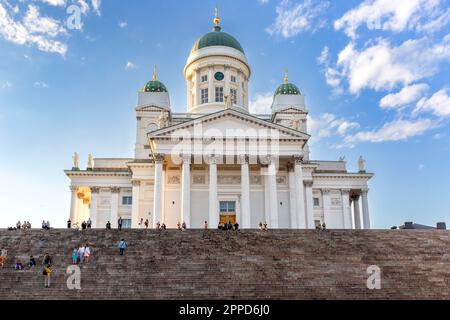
(375, 75)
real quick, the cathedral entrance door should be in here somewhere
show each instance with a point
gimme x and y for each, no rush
(227, 212)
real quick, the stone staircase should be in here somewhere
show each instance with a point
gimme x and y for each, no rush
(250, 264)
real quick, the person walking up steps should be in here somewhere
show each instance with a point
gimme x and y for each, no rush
(122, 246)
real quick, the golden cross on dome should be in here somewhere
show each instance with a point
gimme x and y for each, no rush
(154, 73)
(286, 77)
(216, 17)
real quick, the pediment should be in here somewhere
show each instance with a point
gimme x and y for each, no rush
(150, 108)
(230, 124)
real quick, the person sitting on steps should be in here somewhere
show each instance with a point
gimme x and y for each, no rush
(108, 225)
(158, 226)
(18, 266)
(236, 226)
(265, 226)
(178, 225)
(183, 226)
(163, 226)
(83, 225)
(205, 225)
(146, 223)
(324, 227)
(32, 262)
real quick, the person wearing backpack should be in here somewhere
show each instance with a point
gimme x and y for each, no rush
(47, 273)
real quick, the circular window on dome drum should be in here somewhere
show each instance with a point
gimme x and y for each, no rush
(219, 76)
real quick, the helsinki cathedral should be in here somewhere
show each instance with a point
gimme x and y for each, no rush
(217, 162)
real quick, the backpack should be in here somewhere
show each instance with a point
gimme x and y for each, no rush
(44, 272)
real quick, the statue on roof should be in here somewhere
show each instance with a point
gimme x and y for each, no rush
(75, 161)
(90, 163)
(163, 120)
(361, 164)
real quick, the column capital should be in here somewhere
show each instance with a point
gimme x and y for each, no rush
(345, 191)
(135, 183)
(308, 183)
(212, 159)
(298, 158)
(364, 191)
(325, 191)
(115, 189)
(268, 159)
(243, 158)
(95, 189)
(73, 188)
(158, 158)
(355, 197)
(186, 158)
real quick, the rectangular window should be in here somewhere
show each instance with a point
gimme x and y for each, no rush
(204, 78)
(233, 94)
(204, 96)
(127, 200)
(227, 206)
(126, 223)
(219, 94)
(233, 79)
(316, 202)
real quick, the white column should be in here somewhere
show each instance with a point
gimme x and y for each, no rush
(186, 191)
(213, 201)
(157, 190)
(356, 213)
(346, 210)
(73, 203)
(292, 198)
(299, 194)
(135, 203)
(93, 210)
(211, 90)
(266, 195)
(197, 87)
(309, 205)
(326, 206)
(365, 208)
(245, 193)
(240, 102)
(273, 196)
(115, 191)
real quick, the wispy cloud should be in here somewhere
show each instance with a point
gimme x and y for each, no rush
(396, 16)
(405, 96)
(295, 18)
(5, 85)
(392, 131)
(261, 103)
(327, 125)
(123, 24)
(41, 84)
(438, 104)
(130, 65)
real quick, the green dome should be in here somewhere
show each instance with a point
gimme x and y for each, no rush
(287, 88)
(217, 38)
(155, 86)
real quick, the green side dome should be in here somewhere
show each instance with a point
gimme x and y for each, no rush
(217, 38)
(154, 86)
(287, 88)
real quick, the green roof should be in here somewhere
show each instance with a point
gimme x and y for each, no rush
(217, 38)
(154, 86)
(287, 88)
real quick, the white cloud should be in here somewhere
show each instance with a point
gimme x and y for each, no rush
(130, 65)
(41, 84)
(437, 136)
(327, 125)
(382, 66)
(389, 15)
(84, 6)
(263, 1)
(5, 85)
(405, 96)
(421, 166)
(392, 131)
(55, 3)
(295, 18)
(261, 103)
(96, 5)
(324, 56)
(438, 104)
(34, 23)
(40, 33)
(123, 24)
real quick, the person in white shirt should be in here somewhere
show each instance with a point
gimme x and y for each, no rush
(81, 254)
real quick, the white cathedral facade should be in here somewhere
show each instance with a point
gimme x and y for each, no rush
(217, 162)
